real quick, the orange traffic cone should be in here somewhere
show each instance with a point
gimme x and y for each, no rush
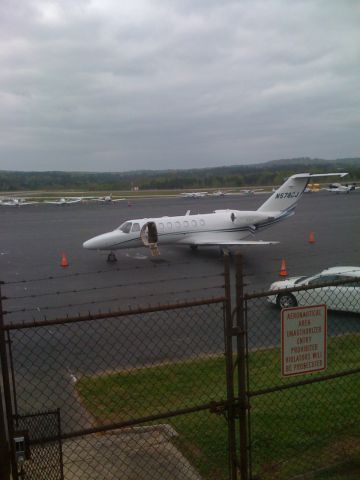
(64, 261)
(311, 237)
(283, 272)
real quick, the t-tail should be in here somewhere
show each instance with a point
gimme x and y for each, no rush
(285, 198)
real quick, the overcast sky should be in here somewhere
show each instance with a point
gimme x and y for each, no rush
(115, 85)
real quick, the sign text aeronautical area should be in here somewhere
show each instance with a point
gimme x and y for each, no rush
(303, 340)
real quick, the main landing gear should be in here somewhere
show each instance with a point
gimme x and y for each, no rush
(111, 257)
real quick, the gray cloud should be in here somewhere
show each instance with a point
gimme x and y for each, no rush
(107, 85)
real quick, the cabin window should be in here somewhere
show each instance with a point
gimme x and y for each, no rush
(177, 225)
(202, 222)
(125, 227)
(193, 223)
(186, 224)
(161, 227)
(135, 227)
(169, 225)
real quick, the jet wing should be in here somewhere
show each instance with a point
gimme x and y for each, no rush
(229, 242)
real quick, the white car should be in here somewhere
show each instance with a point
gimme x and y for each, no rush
(341, 297)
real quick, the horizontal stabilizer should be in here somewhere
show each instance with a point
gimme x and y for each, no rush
(308, 175)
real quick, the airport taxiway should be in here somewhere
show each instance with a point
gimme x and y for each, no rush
(34, 237)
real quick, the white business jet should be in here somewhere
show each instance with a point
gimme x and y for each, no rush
(64, 201)
(338, 188)
(221, 228)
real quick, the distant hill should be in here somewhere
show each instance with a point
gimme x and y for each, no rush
(268, 173)
(306, 161)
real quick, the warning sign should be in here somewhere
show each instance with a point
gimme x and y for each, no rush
(303, 340)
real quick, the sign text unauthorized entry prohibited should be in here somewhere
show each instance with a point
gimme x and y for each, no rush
(303, 340)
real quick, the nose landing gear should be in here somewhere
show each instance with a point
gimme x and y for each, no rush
(111, 258)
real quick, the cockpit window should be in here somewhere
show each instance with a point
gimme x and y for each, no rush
(135, 227)
(125, 227)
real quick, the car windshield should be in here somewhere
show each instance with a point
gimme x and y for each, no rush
(300, 279)
(125, 227)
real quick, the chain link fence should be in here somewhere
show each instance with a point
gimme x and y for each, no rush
(304, 426)
(184, 388)
(138, 388)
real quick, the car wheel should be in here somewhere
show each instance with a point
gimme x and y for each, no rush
(285, 300)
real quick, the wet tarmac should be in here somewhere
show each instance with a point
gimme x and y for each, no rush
(34, 237)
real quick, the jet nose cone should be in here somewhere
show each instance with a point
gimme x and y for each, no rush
(88, 244)
(92, 244)
(101, 242)
(95, 243)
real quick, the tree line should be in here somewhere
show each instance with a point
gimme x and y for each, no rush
(270, 173)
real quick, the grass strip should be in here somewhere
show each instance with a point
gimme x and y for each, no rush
(303, 429)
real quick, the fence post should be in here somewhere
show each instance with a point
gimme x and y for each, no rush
(7, 457)
(4, 444)
(229, 361)
(240, 330)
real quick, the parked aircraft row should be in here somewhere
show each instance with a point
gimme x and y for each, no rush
(229, 227)
(220, 193)
(315, 187)
(20, 201)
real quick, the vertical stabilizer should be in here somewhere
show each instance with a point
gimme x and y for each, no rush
(286, 196)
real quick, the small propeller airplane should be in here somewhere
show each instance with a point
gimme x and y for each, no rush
(220, 193)
(106, 199)
(338, 188)
(15, 202)
(193, 194)
(251, 192)
(222, 228)
(64, 201)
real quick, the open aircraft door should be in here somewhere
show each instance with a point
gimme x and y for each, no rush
(149, 237)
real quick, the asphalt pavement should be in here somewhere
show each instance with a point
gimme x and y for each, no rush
(34, 237)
